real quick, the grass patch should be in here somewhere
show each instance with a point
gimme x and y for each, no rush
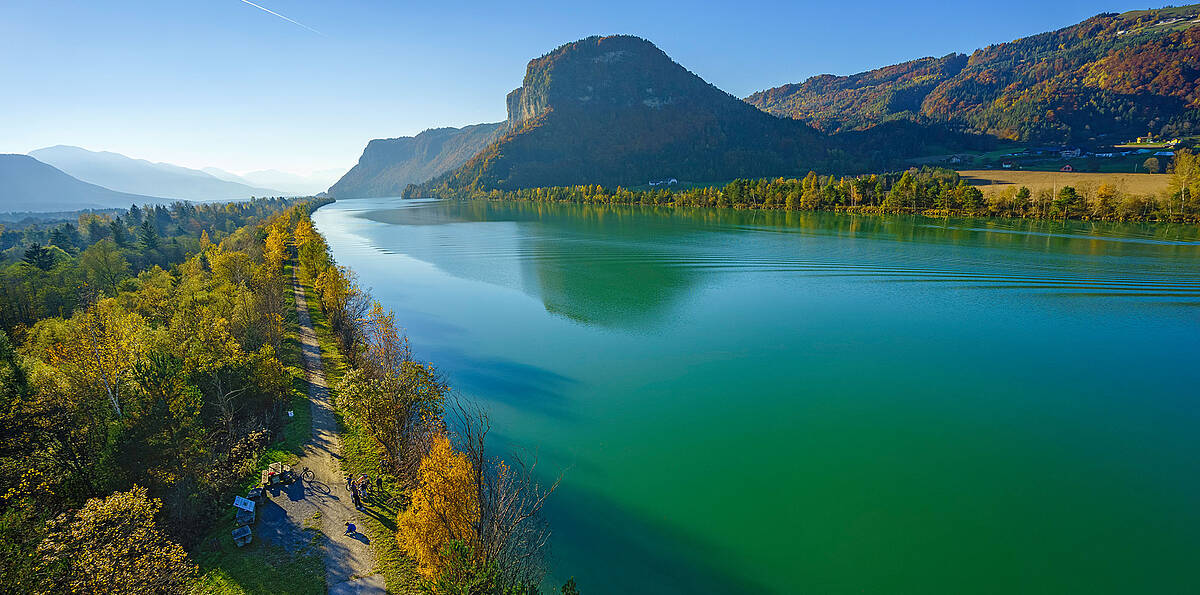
(259, 568)
(362, 454)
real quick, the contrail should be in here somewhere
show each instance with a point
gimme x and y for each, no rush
(283, 17)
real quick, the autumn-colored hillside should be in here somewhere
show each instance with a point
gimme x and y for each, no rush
(1113, 75)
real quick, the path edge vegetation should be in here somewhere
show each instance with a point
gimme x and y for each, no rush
(223, 565)
(361, 455)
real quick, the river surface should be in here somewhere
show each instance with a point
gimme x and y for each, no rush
(772, 402)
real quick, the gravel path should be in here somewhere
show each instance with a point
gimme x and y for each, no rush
(309, 514)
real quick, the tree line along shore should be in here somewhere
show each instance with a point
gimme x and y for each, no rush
(928, 191)
(147, 360)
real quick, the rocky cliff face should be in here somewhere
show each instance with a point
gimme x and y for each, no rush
(604, 74)
(387, 166)
(618, 111)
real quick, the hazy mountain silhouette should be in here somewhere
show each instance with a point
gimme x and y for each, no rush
(388, 165)
(27, 184)
(138, 176)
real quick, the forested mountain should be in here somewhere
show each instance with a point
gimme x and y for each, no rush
(121, 173)
(27, 184)
(617, 110)
(388, 165)
(1121, 75)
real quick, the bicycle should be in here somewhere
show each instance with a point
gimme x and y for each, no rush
(307, 474)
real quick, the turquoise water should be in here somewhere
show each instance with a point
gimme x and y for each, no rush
(818, 403)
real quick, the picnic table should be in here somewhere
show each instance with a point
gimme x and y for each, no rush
(244, 508)
(277, 473)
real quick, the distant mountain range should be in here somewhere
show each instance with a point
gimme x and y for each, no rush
(1113, 75)
(388, 165)
(27, 184)
(618, 111)
(138, 176)
(286, 182)
(64, 178)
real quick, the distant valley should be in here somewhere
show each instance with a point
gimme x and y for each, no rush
(284, 182)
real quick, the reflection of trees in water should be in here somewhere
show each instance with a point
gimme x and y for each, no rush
(628, 266)
(611, 266)
(616, 287)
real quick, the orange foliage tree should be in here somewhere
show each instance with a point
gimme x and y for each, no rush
(444, 508)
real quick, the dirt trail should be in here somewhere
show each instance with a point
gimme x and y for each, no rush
(292, 514)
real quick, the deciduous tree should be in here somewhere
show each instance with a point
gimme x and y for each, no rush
(100, 349)
(113, 545)
(105, 265)
(444, 508)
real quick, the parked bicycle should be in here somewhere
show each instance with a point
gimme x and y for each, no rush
(307, 474)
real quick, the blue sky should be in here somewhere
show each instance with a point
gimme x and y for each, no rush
(225, 84)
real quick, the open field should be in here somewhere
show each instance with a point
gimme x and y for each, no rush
(1162, 145)
(1036, 180)
(1128, 164)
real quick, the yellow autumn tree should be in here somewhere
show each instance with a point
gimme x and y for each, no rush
(275, 249)
(100, 349)
(113, 546)
(304, 232)
(232, 266)
(444, 508)
(334, 289)
(154, 299)
(1185, 179)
